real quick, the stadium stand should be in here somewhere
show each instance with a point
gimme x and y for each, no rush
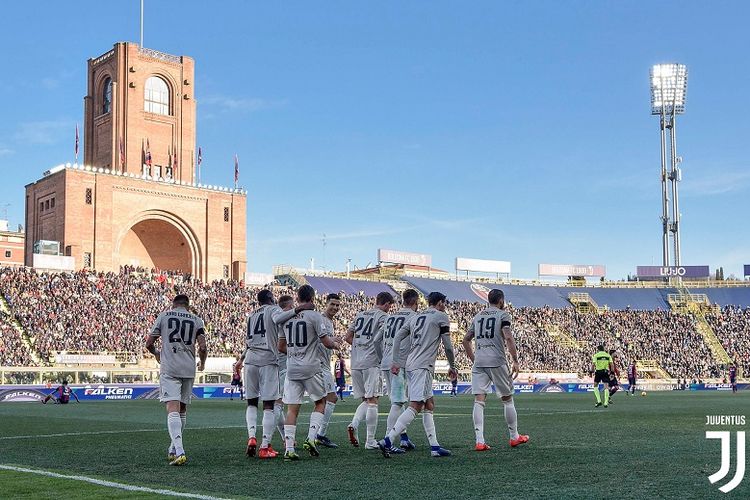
(87, 312)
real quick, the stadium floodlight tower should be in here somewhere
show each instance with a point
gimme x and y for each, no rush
(668, 90)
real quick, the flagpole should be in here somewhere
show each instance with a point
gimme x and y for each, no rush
(141, 23)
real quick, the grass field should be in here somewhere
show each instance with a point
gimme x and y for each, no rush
(640, 447)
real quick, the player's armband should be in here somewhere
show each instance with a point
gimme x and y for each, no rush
(445, 329)
(504, 323)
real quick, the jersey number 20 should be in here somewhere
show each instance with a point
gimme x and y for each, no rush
(181, 330)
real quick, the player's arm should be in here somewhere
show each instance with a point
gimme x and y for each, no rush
(200, 339)
(402, 333)
(155, 333)
(326, 337)
(445, 336)
(349, 338)
(466, 342)
(279, 316)
(510, 343)
(282, 341)
(379, 337)
(73, 393)
(238, 364)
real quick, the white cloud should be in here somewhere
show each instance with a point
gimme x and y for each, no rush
(717, 183)
(5, 151)
(45, 132)
(249, 104)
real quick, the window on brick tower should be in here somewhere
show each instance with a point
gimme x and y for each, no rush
(168, 172)
(52, 203)
(7, 254)
(226, 272)
(88, 196)
(226, 214)
(87, 259)
(157, 171)
(107, 96)
(156, 96)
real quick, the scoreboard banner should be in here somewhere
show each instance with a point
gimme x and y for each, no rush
(408, 258)
(482, 266)
(564, 270)
(747, 269)
(673, 271)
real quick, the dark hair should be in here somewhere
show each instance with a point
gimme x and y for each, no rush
(434, 297)
(64, 382)
(265, 297)
(306, 293)
(410, 297)
(181, 299)
(332, 296)
(495, 296)
(600, 347)
(384, 298)
(285, 299)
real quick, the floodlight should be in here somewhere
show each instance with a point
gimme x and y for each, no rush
(668, 88)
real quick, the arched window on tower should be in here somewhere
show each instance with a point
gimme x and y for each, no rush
(107, 96)
(157, 96)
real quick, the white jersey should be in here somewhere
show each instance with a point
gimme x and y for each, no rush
(302, 334)
(262, 339)
(426, 329)
(393, 324)
(178, 330)
(487, 328)
(368, 339)
(326, 353)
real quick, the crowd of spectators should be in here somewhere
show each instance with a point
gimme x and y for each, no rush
(94, 312)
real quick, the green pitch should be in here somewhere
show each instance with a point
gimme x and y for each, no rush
(640, 447)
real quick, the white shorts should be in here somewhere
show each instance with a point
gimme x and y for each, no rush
(483, 378)
(175, 389)
(294, 390)
(328, 383)
(419, 382)
(395, 386)
(366, 383)
(262, 382)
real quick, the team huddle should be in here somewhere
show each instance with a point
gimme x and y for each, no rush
(288, 355)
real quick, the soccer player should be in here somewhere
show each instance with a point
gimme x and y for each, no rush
(261, 360)
(614, 374)
(491, 331)
(602, 362)
(365, 334)
(300, 339)
(180, 331)
(341, 371)
(396, 383)
(236, 381)
(454, 387)
(333, 304)
(427, 329)
(63, 394)
(733, 377)
(632, 377)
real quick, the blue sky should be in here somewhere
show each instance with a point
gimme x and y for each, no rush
(516, 131)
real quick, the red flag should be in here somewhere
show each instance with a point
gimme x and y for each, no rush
(174, 162)
(148, 153)
(122, 154)
(236, 170)
(76, 143)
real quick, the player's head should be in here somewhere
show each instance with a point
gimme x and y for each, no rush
(436, 300)
(286, 302)
(384, 301)
(496, 297)
(265, 297)
(333, 304)
(600, 347)
(411, 298)
(611, 352)
(64, 382)
(305, 293)
(181, 300)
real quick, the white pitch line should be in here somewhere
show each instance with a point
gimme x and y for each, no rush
(108, 484)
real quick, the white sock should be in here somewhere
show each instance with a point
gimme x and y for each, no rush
(251, 419)
(326, 418)
(290, 432)
(183, 420)
(315, 420)
(278, 413)
(371, 418)
(393, 416)
(428, 422)
(269, 425)
(402, 423)
(511, 418)
(174, 425)
(478, 415)
(359, 414)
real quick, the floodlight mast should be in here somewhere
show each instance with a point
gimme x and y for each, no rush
(668, 90)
